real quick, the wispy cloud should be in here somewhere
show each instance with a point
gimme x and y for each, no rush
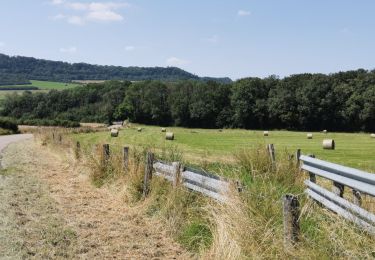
(129, 48)
(56, 2)
(69, 50)
(81, 12)
(174, 61)
(243, 13)
(212, 39)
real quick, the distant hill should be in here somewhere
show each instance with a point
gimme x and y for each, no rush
(18, 70)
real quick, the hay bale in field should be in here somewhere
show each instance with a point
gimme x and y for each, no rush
(169, 136)
(163, 130)
(265, 133)
(372, 135)
(139, 129)
(114, 132)
(309, 136)
(324, 131)
(329, 144)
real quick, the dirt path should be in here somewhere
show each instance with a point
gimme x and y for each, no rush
(48, 209)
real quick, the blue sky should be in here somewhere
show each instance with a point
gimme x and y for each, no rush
(209, 38)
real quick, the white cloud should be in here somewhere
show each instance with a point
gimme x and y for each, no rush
(58, 17)
(57, 2)
(129, 48)
(2, 44)
(173, 61)
(243, 13)
(104, 16)
(90, 12)
(77, 20)
(212, 39)
(69, 50)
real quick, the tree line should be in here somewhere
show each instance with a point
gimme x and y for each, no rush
(16, 69)
(343, 101)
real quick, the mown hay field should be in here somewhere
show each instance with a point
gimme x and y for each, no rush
(211, 145)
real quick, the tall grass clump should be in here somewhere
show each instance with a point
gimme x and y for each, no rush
(250, 225)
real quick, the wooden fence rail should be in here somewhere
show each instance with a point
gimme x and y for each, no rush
(193, 179)
(359, 181)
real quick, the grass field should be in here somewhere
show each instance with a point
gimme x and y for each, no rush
(43, 86)
(47, 85)
(199, 145)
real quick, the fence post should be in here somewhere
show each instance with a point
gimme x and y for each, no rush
(78, 150)
(239, 186)
(291, 219)
(271, 151)
(298, 154)
(338, 189)
(176, 173)
(60, 138)
(105, 154)
(357, 198)
(312, 175)
(126, 158)
(148, 173)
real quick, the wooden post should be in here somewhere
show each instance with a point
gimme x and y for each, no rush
(126, 158)
(357, 198)
(271, 151)
(298, 154)
(291, 214)
(53, 136)
(176, 173)
(60, 138)
(78, 150)
(239, 185)
(148, 173)
(105, 154)
(338, 189)
(312, 175)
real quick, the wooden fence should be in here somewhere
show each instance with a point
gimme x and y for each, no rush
(218, 188)
(197, 180)
(360, 182)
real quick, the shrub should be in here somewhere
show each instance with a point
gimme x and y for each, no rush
(9, 124)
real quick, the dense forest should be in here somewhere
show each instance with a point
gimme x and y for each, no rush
(18, 70)
(342, 101)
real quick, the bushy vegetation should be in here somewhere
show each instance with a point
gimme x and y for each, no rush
(16, 69)
(343, 101)
(8, 124)
(94, 103)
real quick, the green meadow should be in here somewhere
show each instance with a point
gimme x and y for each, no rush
(43, 86)
(47, 85)
(211, 145)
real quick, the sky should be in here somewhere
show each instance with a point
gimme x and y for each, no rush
(222, 38)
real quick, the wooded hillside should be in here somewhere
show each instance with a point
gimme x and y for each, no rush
(18, 70)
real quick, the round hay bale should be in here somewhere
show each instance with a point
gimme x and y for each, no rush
(324, 131)
(139, 129)
(372, 135)
(309, 136)
(329, 144)
(114, 132)
(169, 136)
(265, 133)
(163, 130)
